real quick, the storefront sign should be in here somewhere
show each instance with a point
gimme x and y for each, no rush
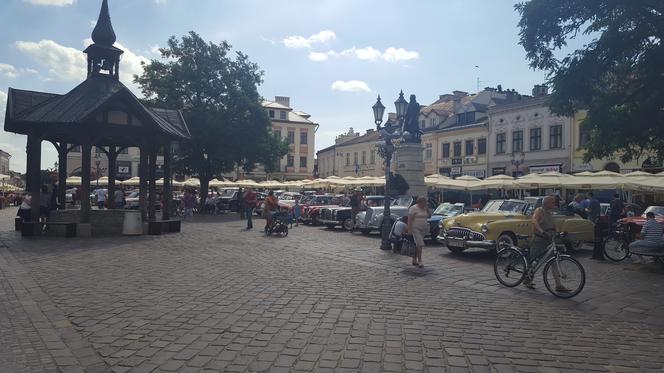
(544, 168)
(124, 169)
(480, 174)
(456, 170)
(498, 171)
(457, 161)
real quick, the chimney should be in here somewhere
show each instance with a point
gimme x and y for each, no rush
(540, 90)
(500, 88)
(369, 131)
(458, 108)
(282, 100)
(459, 93)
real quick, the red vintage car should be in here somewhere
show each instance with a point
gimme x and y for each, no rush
(311, 206)
(635, 223)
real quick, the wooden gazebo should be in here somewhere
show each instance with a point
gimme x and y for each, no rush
(102, 112)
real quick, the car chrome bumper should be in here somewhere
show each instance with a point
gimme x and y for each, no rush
(462, 243)
(325, 221)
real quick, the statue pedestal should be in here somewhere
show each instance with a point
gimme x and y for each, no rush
(408, 159)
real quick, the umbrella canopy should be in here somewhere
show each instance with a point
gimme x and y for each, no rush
(271, 184)
(436, 180)
(499, 182)
(192, 182)
(134, 181)
(544, 180)
(247, 183)
(216, 183)
(597, 180)
(4, 177)
(73, 180)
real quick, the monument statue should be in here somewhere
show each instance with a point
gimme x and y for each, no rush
(412, 121)
(398, 185)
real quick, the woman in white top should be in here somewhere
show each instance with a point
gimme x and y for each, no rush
(418, 226)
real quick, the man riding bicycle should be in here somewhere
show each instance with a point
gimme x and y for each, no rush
(543, 228)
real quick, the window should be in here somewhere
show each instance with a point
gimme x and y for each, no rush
(124, 150)
(457, 149)
(517, 142)
(446, 150)
(422, 123)
(303, 162)
(282, 115)
(465, 118)
(481, 146)
(347, 159)
(429, 151)
(555, 137)
(355, 158)
(291, 137)
(271, 114)
(372, 157)
(290, 161)
(584, 137)
(364, 157)
(470, 147)
(500, 143)
(535, 138)
(303, 138)
(76, 149)
(432, 122)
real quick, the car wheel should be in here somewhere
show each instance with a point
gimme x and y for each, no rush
(348, 224)
(434, 233)
(365, 231)
(315, 221)
(507, 239)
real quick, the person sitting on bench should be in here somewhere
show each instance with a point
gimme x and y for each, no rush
(24, 209)
(398, 231)
(651, 239)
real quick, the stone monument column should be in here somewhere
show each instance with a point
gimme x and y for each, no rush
(409, 163)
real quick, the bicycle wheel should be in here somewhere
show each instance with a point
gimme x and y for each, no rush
(571, 275)
(510, 267)
(616, 249)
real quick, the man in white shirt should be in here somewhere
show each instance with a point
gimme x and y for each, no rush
(398, 230)
(101, 198)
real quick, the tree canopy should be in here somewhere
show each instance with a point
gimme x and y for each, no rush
(618, 77)
(217, 92)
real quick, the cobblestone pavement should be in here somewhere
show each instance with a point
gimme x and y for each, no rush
(216, 298)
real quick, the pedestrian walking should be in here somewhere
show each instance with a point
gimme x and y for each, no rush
(249, 201)
(101, 198)
(418, 227)
(188, 202)
(297, 211)
(355, 205)
(119, 198)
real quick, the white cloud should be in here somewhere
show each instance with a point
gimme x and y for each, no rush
(50, 2)
(8, 71)
(350, 86)
(321, 56)
(297, 41)
(399, 54)
(66, 63)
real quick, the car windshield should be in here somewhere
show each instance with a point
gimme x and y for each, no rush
(446, 209)
(657, 210)
(227, 193)
(505, 206)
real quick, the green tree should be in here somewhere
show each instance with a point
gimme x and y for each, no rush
(217, 93)
(617, 77)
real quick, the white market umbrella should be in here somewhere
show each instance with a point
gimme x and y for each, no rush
(597, 180)
(551, 179)
(192, 182)
(134, 181)
(73, 180)
(498, 182)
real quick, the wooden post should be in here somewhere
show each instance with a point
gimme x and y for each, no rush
(143, 185)
(152, 184)
(34, 177)
(112, 172)
(86, 164)
(62, 175)
(168, 188)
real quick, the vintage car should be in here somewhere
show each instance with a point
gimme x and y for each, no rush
(443, 211)
(634, 224)
(504, 221)
(372, 218)
(228, 199)
(311, 206)
(342, 215)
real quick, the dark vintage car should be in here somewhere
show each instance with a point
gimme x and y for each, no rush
(342, 215)
(312, 205)
(228, 199)
(443, 211)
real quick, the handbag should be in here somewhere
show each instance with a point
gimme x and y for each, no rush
(408, 247)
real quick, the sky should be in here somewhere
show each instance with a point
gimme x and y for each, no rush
(331, 57)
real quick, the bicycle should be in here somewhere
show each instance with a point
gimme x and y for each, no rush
(513, 266)
(616, 244)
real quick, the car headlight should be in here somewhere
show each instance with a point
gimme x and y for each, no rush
(375, 218)
(484, 228)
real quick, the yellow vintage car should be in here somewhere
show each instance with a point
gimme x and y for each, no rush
(507, 221)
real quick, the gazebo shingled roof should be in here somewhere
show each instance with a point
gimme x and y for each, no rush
(103, 112)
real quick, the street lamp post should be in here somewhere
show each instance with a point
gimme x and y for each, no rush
(518, 162)
(386, 150)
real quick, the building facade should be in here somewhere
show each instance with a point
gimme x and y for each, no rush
(4, 162)
(127, 163)
(352, 155)
(296, 128)
(525, 137)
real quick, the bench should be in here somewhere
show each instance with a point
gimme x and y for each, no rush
(659, 256)
(156, 228)
(31, 228)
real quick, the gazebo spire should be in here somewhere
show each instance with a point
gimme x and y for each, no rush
(103, 57)
(103, 33)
